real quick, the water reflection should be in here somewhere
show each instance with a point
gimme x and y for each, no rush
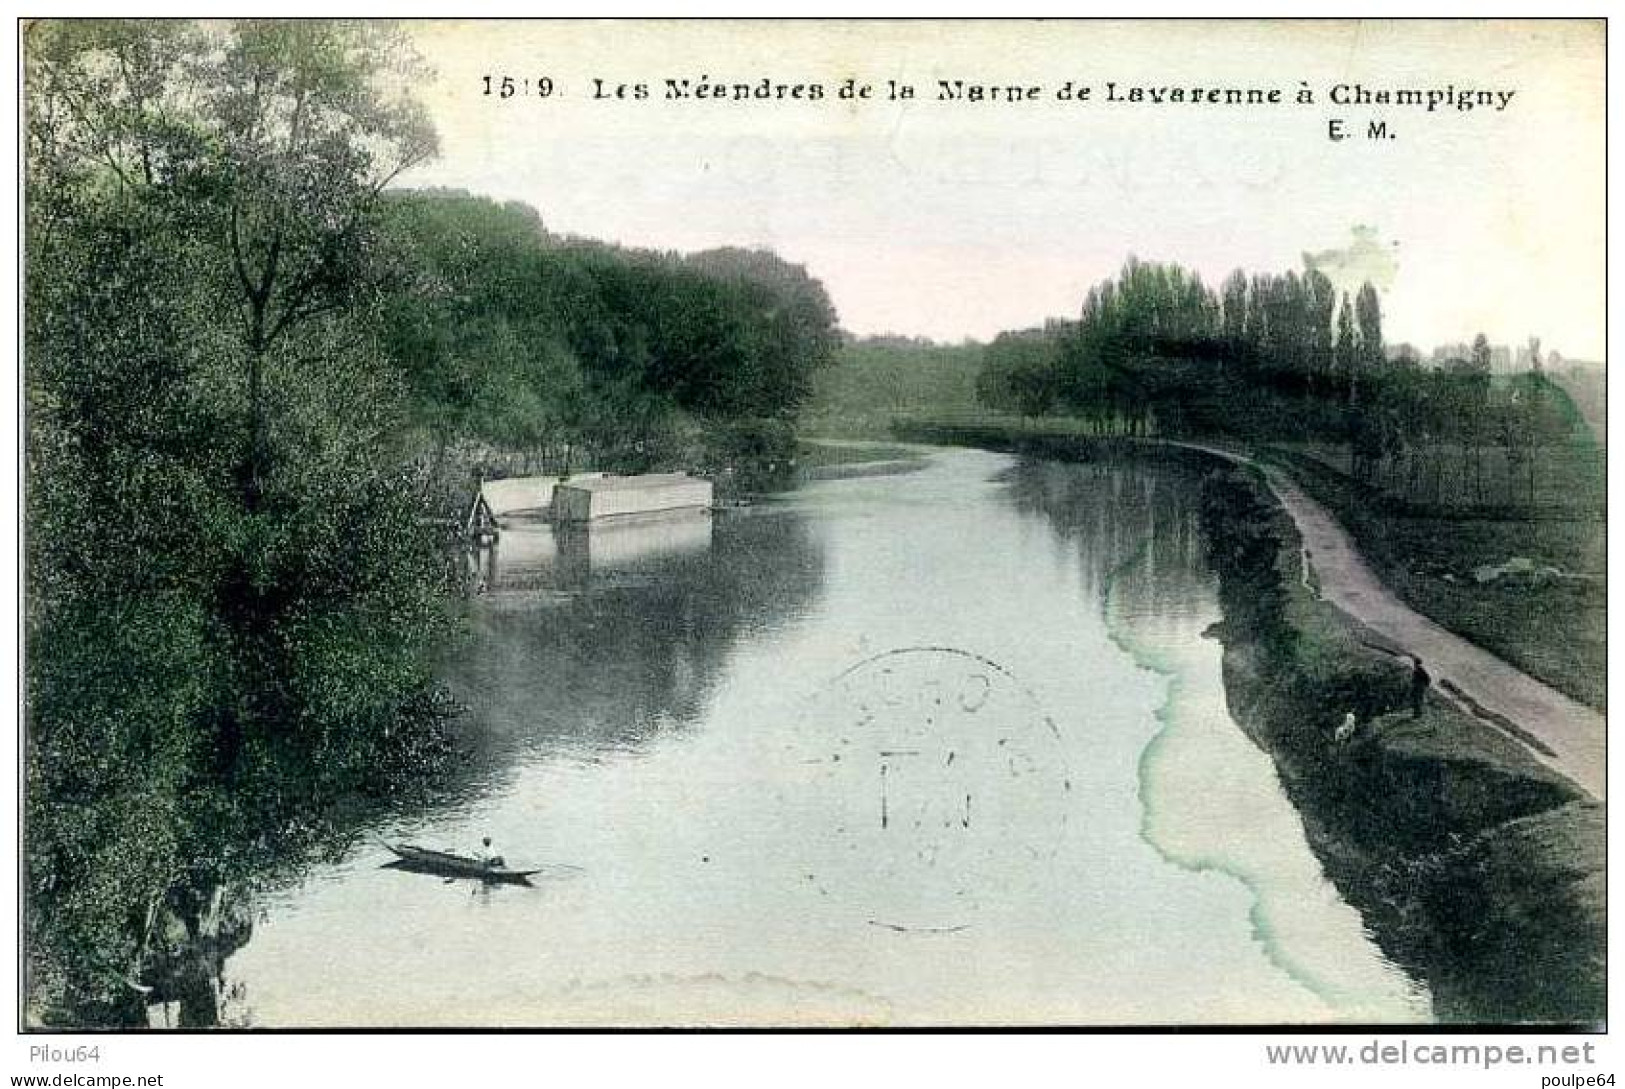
(1110, 513)
(894, 750)
(631, 650)
(1211, 799)
(586, 642)
(537, 555)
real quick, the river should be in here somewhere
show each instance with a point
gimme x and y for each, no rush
(947, 746)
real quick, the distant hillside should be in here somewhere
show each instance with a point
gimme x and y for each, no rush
(876, 380)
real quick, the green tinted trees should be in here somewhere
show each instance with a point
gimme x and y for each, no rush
(626, 357)
(302, 143)
(236, 349)
(230, 595)
(1019, 373)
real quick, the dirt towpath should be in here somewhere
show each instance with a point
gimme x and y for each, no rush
(1561, 733)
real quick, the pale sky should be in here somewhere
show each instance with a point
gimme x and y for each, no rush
(956, 219)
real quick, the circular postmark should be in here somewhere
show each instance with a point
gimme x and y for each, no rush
(935, 785)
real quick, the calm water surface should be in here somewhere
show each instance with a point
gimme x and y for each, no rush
(946, 746)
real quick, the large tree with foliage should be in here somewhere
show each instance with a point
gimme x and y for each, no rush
(230, 594)
(305, 142)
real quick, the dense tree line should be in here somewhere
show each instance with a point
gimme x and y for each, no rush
(243, 352)
(597, 355)
(1281, 357)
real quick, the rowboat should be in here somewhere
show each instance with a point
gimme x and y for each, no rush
(446, 864)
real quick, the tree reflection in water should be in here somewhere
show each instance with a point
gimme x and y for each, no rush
(1113, 512)
(602, 639)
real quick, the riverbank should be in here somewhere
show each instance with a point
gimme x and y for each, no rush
(1476, 868)
(1560, 733)
(1528, 587)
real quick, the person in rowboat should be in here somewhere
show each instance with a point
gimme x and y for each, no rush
(487, 857)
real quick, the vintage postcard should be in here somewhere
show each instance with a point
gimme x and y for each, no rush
(857, 524)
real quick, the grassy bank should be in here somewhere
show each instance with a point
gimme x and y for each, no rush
(1474, 867)
(1551, 626)
(840, 459)
(812, 454)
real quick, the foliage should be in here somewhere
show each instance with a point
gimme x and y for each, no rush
(604, 354)
(1284, 358)
(231, 595)
(238, 339)
(1019, 373)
